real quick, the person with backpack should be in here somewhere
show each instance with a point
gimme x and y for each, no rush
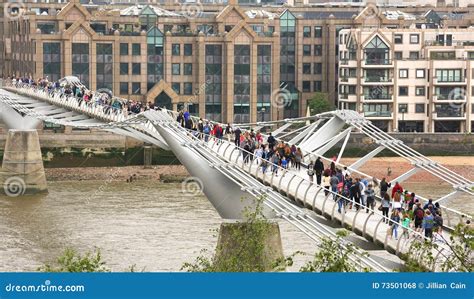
(418, 216)
(438, 223)
(334, 181)
(428, 223)
(370, 195)
(298, 158)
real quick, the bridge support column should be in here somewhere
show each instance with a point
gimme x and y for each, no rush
(248, 246)
(22, 168)
(147, 156)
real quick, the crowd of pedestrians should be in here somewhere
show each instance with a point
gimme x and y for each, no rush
(400, 207)
(104, 99)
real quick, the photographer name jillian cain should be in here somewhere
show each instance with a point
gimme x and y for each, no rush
(453, 285)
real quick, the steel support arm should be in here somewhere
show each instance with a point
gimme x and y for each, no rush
(357, 164)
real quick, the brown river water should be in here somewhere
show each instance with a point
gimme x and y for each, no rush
(154, 226)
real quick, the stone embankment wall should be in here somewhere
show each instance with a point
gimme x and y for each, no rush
(85, 148)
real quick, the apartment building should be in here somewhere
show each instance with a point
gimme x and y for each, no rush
(409, 80)
(223, 61)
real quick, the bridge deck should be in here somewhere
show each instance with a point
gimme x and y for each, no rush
(296, 185)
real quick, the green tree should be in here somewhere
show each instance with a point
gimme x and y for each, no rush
(421, 256)
(319, 103)
(333, 256)
(71, 261)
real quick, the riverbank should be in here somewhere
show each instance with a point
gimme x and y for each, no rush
(390, 167)
(165, 173)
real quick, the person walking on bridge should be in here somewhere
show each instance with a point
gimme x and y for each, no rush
(310, 171)
(397, 188)
(384, 185)
(318, 169)
(271, 141)
(237, 133)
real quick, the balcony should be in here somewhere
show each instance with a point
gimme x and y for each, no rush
(445, 115)
(449, 98)
(377, 62)
(377, 97)
(377, 79)
(344, 62)
(378, 114)
(446, 81)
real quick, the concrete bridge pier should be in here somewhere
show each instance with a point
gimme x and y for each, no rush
(248, 246)
(22, 168)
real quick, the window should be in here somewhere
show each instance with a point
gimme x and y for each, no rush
(306, 68)
(444, 55)
(398, 38)
(317, 86)
(136, 51)
(175, 49)
(318, 31)
(402, 108)
(414, 38)
(124, 68)
(318, 68)
(123, 49)
(176, 87)
(306, 31)
(306, 50)
(306, 86)
(188, 88)
(318, 50)
(188, 69)
(80, 62)
(414, 55)
(123, 87)
(403, 91)
(419, 108)
(420, 91)
(52, 61)
(136, 69)
(449, 75)
(188, 49)
(403, 73)
(176, 69)
(470, 55)
(104, 66)
(136, 88)
(420, 73)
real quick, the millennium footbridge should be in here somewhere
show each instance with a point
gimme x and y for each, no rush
(230, 184)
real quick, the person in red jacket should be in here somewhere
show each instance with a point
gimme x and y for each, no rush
(397, 188)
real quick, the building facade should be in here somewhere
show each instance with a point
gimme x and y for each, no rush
(409, 80)
(227, 62)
